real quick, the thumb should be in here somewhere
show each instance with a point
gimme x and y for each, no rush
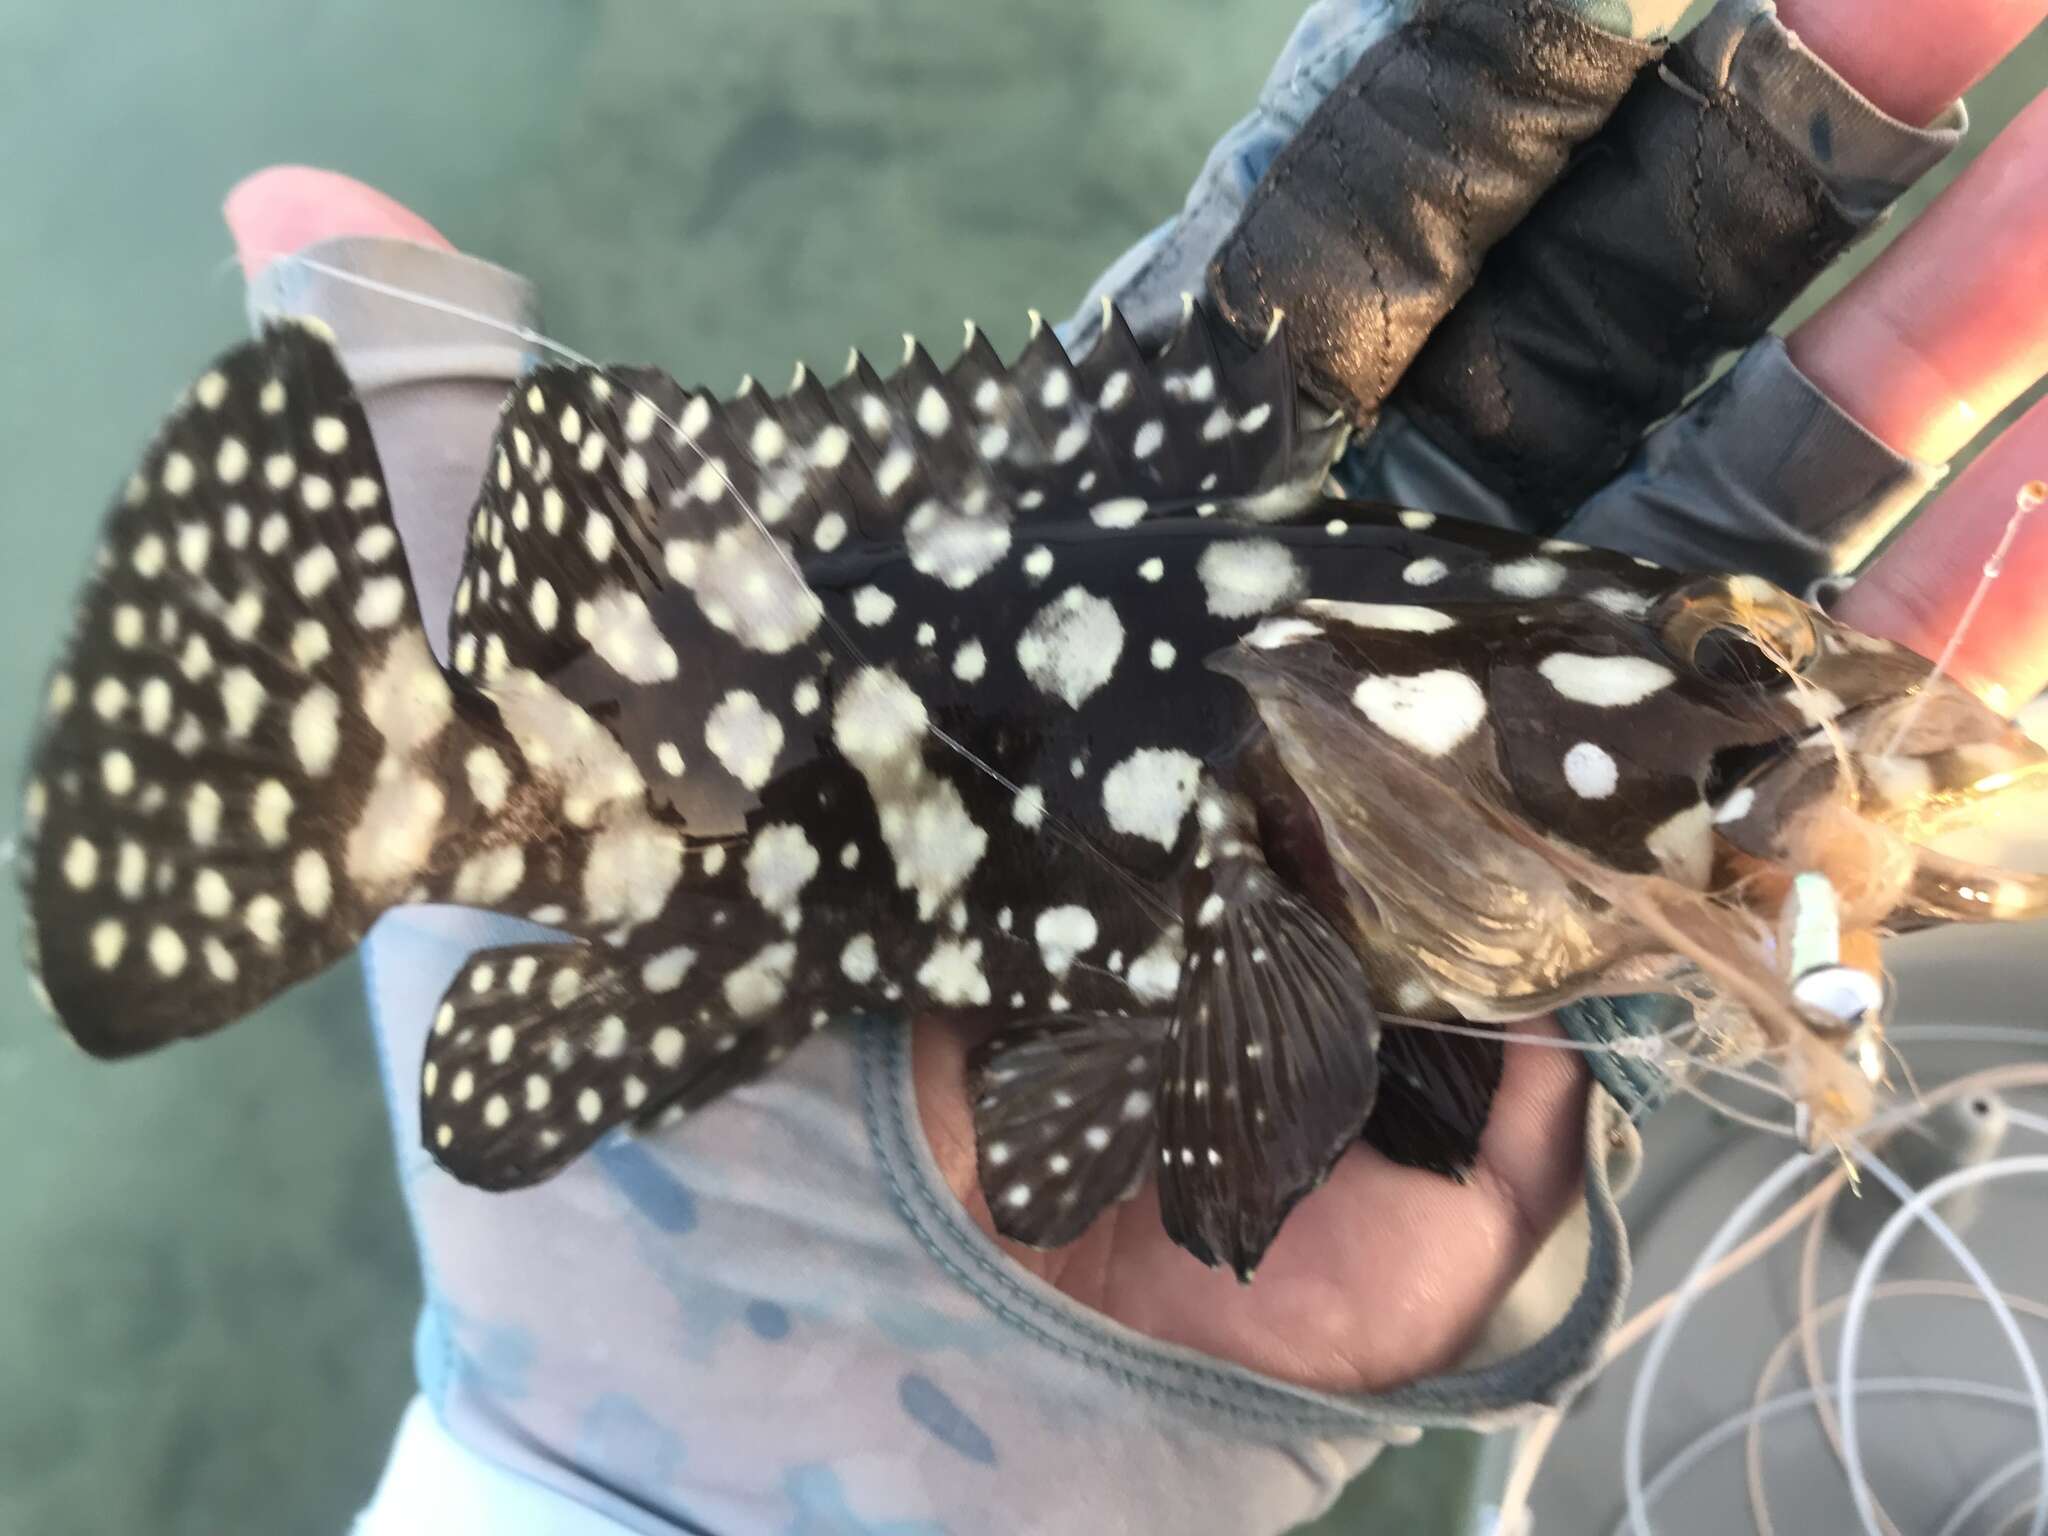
(285, 208)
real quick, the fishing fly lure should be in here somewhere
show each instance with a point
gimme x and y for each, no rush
(1053, 696)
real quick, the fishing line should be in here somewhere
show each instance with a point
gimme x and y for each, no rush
(1534, 1445)
(2025, 500)
(1722, 1258)
(1729, 1428)
(1163, 916)
(1919, 1205)
(1985, 1491)
(1810, 1314)
(1805, 1334)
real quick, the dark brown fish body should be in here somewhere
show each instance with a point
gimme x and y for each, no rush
(1044, 695)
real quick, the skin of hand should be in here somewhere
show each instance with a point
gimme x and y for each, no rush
(1385, 1273)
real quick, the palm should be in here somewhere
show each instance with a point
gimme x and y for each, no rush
(1380, 1276)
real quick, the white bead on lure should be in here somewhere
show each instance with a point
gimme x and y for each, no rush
(1050, 695)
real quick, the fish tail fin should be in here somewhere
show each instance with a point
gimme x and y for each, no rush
(247, 751)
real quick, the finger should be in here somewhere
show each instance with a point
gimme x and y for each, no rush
(1911, 58)
(285, 208)
(1532, 1148)
(1947, 327)
(432, 376)
(1916, 594)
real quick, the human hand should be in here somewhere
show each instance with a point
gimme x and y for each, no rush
(1386, 1273)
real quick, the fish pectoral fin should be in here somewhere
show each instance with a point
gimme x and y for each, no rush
(1271, 1064)
(537, 1050)
(1063, 1120)
(1436, 1091)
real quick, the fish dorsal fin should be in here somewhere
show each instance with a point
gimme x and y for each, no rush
(625, 523)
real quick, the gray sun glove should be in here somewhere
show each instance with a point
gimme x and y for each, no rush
(1730, 178)
(1372, 222)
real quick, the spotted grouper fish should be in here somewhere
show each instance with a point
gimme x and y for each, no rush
(1054, 697)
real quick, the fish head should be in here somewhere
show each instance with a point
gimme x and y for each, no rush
(1533, 801)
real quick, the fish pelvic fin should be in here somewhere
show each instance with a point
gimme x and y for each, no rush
(1271, 1066)
(1063, 1120)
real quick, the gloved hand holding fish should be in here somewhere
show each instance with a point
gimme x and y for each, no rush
(1067, 698)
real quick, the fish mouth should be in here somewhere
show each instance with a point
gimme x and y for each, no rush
(1847, 805)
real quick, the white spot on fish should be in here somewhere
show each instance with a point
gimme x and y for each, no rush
(779, 865)
(489, 877)
(858, 961)
(744, 737)
(952, 974)
(1063, 934)
(872, 606)
(1533, 577)
(762, 982)
(1432, 712)
(1629, 605)
(953, 546)
(665, 972)
(624, 635)
(1736, 806)
(1405, 617)
(1148, 794)
(316, 730)
(1272, 634)
(1684, 845)
(1611, 682)
(313, 882)
(270, 812)
(1123, 512)
(1590, 771)
(1248, 576)
(630, 872)
(1070, 647)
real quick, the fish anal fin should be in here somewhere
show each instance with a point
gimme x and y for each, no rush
(1271, 1064)
(537, 1050)
(1063, 1120)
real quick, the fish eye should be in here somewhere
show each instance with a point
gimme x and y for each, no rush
(1738, 630)
(1730, 655)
